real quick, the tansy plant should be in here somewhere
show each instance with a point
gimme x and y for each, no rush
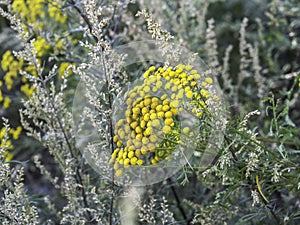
(7, 144)
(150, 129)
(33, 14)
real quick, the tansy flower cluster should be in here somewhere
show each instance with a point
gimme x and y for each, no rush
(41, 46)
(64, 68)
(32, 14)
(12, 67)
(55, 12)
(35, 11)
(150, 130)
(32, 11)
(14, 133)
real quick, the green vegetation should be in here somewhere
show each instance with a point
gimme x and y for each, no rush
(79, 122)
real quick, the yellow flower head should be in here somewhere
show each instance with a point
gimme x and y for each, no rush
(149, 130)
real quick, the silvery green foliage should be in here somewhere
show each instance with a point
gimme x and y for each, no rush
(54, 129)
(156, 211)
(241, 185)
(15, 205)
(211, 46)
(47, 118)
(244, 149)
(186, 19)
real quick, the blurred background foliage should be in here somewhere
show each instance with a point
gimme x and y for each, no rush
(272, 36)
